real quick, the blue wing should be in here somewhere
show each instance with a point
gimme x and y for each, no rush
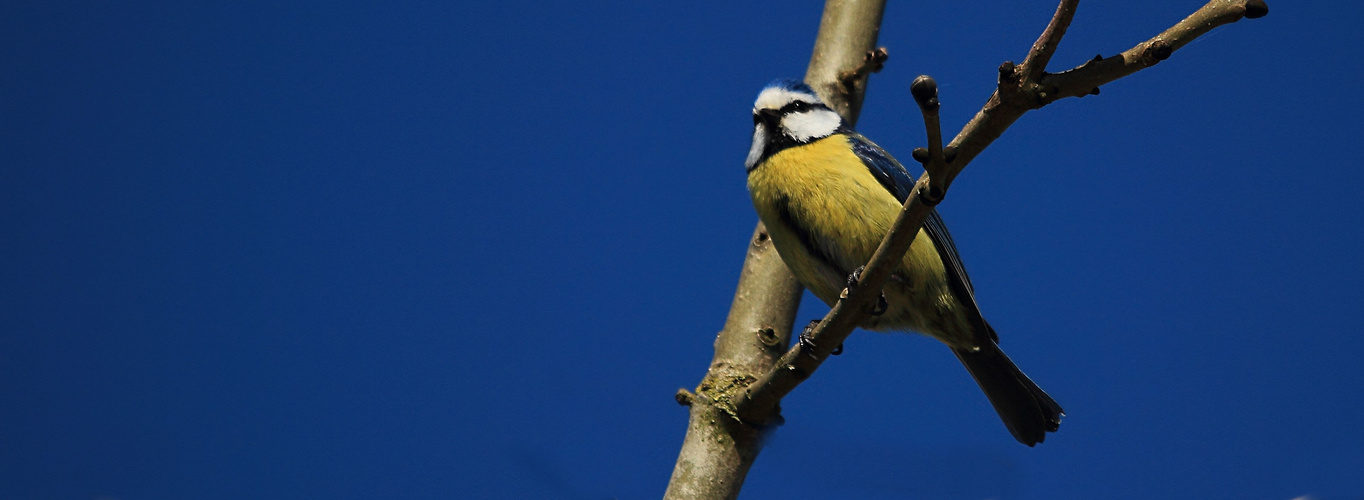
(882, 166)
(897, 180)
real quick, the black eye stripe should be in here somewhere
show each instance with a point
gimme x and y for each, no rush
(790, 107)
(797, 106)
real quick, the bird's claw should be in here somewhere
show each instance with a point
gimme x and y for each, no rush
(809, 345)
(803, 340)
(881, 304)
(855, 277)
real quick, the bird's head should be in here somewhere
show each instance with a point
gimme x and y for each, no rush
(788, 113)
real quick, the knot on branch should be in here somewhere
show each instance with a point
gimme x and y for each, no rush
(684, 397)
(949, 153)
(1015, 86)
(930, 196)
(1156, 51)
(768, 336)
(761, 238)
(1008, 74)
(1044, 95)
(875, 60)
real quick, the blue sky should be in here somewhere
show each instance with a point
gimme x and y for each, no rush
(434, 250)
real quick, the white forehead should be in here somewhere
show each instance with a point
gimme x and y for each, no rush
(776, 97)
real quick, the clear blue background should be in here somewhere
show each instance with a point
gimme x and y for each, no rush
(431, 250)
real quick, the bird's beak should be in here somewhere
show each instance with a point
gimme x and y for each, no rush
(768, 116)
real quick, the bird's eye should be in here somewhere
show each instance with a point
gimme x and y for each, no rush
(800, 106)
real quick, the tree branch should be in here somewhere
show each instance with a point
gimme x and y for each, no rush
(719, 449)
(1046, 45)
(1016, 95)
(1019, 90)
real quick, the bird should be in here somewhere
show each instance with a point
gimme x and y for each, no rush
(828, 196)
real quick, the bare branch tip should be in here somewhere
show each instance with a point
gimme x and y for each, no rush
(1256, 9)
(925, 91)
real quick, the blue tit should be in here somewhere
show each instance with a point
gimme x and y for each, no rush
(828, 196)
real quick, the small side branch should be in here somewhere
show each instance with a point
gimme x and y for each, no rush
(1086, 78)
(1046, 45)
(854, 81)
(847, 32)
(934, 158)
(1022, 89)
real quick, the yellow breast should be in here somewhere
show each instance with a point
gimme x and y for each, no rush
(828, 189)
(826, 214)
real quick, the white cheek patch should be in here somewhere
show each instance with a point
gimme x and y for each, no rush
(810, 124)
(755, 151)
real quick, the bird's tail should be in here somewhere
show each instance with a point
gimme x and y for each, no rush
(1027, 411)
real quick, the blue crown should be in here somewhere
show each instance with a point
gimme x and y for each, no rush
(791, 85)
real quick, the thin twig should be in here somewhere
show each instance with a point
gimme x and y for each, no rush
(855, 80)
(1007, 105)
(934, 158)
(1082, 80)
(1046, 44)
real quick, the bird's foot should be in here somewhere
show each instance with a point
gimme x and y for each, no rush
(855, 277)
(803, 340)
(881, 304)
(809, 345)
